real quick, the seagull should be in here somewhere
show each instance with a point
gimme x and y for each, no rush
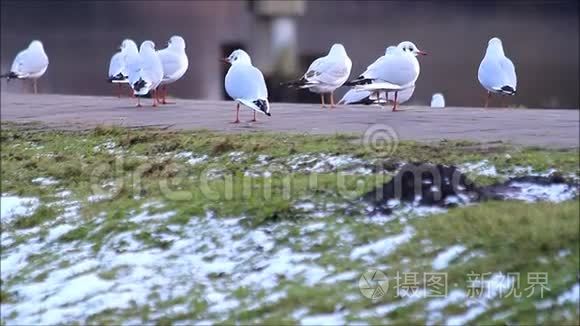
(145, 71)
(118, 73)
(326, 74)
(174, 62)
(497, 73)
(245, 84)
(438, 101)
(30, 63)
(357, 96)
(397, 70)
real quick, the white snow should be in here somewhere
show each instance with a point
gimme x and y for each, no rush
(12, 206)
(192, 158)
(45, 181)
(483, 168)
(572, 295)
(324, 319)
(532, 192)
(384, 246)
(444, 258)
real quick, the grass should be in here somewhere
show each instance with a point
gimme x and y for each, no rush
(139, 172)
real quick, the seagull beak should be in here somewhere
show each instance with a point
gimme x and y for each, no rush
(421, 52)
(225, 60)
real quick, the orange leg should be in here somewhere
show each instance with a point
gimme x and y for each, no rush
(237, 114)
(254, 120)
(155, 99)
(138, 102)
(488, 97)
(331, 99)
(395, 102)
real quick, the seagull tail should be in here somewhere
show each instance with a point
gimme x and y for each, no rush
(10, 75)
(260, 105)
(140, 87)
(117, 78)
(358, 81)
(296, 83)
(507, 90)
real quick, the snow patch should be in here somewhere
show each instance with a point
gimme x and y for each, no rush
(11, 206)
(444, 258)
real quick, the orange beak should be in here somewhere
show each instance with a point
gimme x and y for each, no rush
(421, 52)
(225, 60)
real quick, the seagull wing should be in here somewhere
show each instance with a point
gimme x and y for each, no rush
(327, 71)
(117, 69)
(174, 64)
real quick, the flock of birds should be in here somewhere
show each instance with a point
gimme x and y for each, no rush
(390, 78)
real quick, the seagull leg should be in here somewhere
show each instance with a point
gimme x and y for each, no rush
(331, 100)
(254, 120)
(322, 100)
(138, 102)
(487, 99)
(119, 89)
(155, 97)
(35, 88)
(395, 102)
(237, 114)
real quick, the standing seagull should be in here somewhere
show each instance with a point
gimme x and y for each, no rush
(497, 73)
(246, 85)
(397, 70)
(326, 74)
(174, 62)
(118, 73)
(30, 63)
(145, 71)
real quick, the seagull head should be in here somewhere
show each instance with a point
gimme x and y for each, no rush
(410, 48)
(36, 44)
(337, 49)
(238, 56)
(176, 42)
(128, 45)
(149, 45)
(494, 46)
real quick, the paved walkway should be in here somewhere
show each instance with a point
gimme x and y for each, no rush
(549, 128)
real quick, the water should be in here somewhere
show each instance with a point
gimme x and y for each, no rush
(541, 38)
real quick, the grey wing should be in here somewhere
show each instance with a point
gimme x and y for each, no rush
(261, 89)
(171, 63)
(329, 72)
(509, 72)
(17, 64)
(117, 65)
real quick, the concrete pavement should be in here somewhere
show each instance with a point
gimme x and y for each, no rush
(534, 127)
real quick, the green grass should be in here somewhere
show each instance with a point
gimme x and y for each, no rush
(142, 168)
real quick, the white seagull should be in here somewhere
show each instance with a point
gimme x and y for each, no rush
(497, 73)
(30, 63)
(358, 96)
(245, 84)
(438, 101)
(118, 72)
(174, 62)
(397, 70)
(326, 74)
(145, 71)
